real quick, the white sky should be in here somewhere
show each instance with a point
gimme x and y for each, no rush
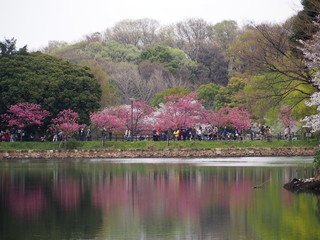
(35, 22)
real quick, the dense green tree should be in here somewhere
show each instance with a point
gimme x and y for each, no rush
(216, 96)
(208, 93)
(54, 83)
(172, 58)
(117, 52)
(303, 27)
(96, 51)
(231, 94)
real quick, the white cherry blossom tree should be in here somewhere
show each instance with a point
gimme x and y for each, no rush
(311, 51)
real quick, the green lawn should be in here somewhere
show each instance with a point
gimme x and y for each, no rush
(158, 145)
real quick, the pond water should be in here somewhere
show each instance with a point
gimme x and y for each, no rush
(157, 199)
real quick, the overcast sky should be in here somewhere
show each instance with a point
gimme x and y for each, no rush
(36, 22)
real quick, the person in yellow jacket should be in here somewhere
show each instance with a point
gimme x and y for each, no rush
(176, 134)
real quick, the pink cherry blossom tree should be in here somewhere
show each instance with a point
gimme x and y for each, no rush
(230, 117)
(219, 118)
(66, 122)
(106, 120)
(25, 114)
(134, 118)
(239, 118)
(181, 112)
(285, 116)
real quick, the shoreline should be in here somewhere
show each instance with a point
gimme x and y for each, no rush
(157, 153)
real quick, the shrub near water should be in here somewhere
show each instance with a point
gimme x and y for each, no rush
(73, 144)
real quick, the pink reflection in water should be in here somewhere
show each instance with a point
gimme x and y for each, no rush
(174, 196)
(241, 193)
(110, 194)
(186, 198)
(67, 193)
(27, 203)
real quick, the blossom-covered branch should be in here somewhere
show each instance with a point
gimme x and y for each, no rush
(66, 121)
(311, 51)
(25, 114)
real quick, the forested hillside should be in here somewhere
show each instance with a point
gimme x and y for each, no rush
(140, 58)
(258, 67)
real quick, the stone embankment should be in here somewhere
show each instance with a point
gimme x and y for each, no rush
(157, 153)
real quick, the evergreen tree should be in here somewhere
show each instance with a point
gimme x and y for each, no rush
(53, 83)
(8, 47)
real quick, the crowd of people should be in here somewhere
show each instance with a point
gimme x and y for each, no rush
(201, 133)
(12, 135)
(212, 133)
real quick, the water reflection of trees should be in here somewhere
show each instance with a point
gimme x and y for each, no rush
(105, 200)
(32, 206)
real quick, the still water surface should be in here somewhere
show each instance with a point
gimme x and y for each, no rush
(157, 199)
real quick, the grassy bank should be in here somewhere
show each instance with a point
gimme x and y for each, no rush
(159, 145)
